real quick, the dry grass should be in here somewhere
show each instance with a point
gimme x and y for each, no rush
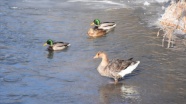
(173, 19)
(168, 34)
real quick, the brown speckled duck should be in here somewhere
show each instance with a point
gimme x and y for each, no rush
(115, 68)
(96, 32)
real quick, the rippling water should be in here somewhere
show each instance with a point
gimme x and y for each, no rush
(31, 75)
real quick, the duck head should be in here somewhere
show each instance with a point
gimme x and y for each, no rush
(49, 42)
(100, 54)
(96, 22)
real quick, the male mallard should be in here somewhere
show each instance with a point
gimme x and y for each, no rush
(115, 68)
(96, 32)
(55, 46)
(108, 26)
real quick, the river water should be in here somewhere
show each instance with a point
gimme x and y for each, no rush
(31, 75)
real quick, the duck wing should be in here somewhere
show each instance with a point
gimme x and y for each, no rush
(107, 25)
(61, 44)
(58, 46)
(116, 66)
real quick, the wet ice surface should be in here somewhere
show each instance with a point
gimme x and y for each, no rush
(31, 75)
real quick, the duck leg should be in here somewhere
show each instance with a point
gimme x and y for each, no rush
(116, 81)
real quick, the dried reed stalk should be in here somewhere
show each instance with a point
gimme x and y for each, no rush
(173, 19)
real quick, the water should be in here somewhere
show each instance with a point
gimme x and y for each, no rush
(31, 75)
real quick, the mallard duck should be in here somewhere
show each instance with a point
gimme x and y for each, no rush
(96, 32)
(115, 68)
(108, 26)
(55, 46)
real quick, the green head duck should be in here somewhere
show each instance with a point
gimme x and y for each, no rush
(96, 22)
(49, 42)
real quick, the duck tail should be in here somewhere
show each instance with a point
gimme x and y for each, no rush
(130, 59)
(114, 25)
(68, 44)
(129, 69)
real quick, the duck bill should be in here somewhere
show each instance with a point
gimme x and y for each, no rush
(95, 57)
(44, 44)
(92, 24)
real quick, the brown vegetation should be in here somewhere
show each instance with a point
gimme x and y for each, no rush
(173, 19)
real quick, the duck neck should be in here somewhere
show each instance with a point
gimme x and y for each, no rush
(51, 44)
(104, 61)
(103, 64)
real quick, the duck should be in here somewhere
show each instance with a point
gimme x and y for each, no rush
(107, 26)
(115, 68)
(96, 32)
(56, 46)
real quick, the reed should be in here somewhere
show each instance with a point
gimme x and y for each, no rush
(173, 19)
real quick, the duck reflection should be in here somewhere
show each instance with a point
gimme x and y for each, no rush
(50, 54)
(118, 93)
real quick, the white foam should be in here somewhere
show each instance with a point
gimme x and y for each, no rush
(146, 3)
(118, 3)
(99, 1)
(162, 1)
(14, 7)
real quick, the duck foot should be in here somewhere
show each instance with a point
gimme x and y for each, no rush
(116, 81)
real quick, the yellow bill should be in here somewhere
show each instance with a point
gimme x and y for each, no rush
(92, 24)
(44, 44)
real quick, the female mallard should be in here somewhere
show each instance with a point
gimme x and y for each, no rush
(108, 26)
(96, 32)
(115, 68)
(55, 46)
